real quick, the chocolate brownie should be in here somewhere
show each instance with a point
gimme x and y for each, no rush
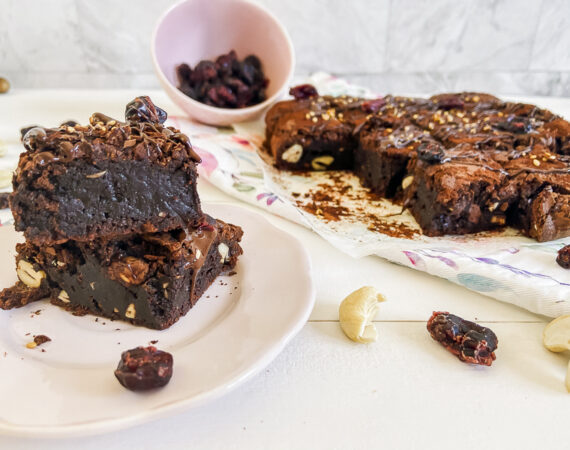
(451, 190)
(383, 154)
(315, 133)
(147, 279)
(461, 162)
(106, 179)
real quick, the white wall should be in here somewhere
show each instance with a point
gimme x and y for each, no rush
(503, 46)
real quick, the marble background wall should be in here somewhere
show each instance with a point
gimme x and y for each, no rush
(411, 46)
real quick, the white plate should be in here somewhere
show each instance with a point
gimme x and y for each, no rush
(237, 328)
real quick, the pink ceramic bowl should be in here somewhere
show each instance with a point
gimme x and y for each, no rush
(204, 29)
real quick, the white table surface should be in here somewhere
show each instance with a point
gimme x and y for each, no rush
(326, 392)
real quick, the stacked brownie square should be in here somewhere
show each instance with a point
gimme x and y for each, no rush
(461, 162)
(113, 222)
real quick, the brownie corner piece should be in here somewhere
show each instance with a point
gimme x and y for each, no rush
(107, 178)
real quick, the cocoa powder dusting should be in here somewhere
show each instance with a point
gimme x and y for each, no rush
(337, 198)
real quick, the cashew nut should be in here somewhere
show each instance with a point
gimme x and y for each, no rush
(407, 181)
(556, 338)
(224, 251)
(293, 154)
(28, 275)
(356, 313)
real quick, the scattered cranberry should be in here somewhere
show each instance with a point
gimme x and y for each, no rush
(144, 368)
(142, 109)
(563, 258)
(41, 339)
(225, 82)
(470, 342)
(431, 153)
(303, 91)
(516, 125)
(372, 106)
(450, 101)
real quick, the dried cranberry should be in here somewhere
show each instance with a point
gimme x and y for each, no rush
(224, 63)
(227, 82)
(449, 101)
(303, 91)
(516, 125)
(226, 95)
(563, 258)
(204, 71)
(247, 73)
(183, 72)
(142, 109)
(34, 138)
(24, 130)
(144, 368)
(372, 106)
(206, 226)
(470, 342)
(431, 153)
(41, 339)
(254, 61)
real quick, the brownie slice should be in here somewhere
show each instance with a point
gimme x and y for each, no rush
(454, 191)
(148, 279)
(383, 154)
(538, 189)
(106, 179)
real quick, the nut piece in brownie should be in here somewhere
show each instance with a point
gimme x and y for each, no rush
(146, 279)
(105, 179)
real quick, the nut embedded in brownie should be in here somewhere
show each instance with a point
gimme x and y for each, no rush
(105, 179)
(147, 279)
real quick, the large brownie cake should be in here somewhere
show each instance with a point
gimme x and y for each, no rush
(461, 163)
(106, 178)
(146, 279)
